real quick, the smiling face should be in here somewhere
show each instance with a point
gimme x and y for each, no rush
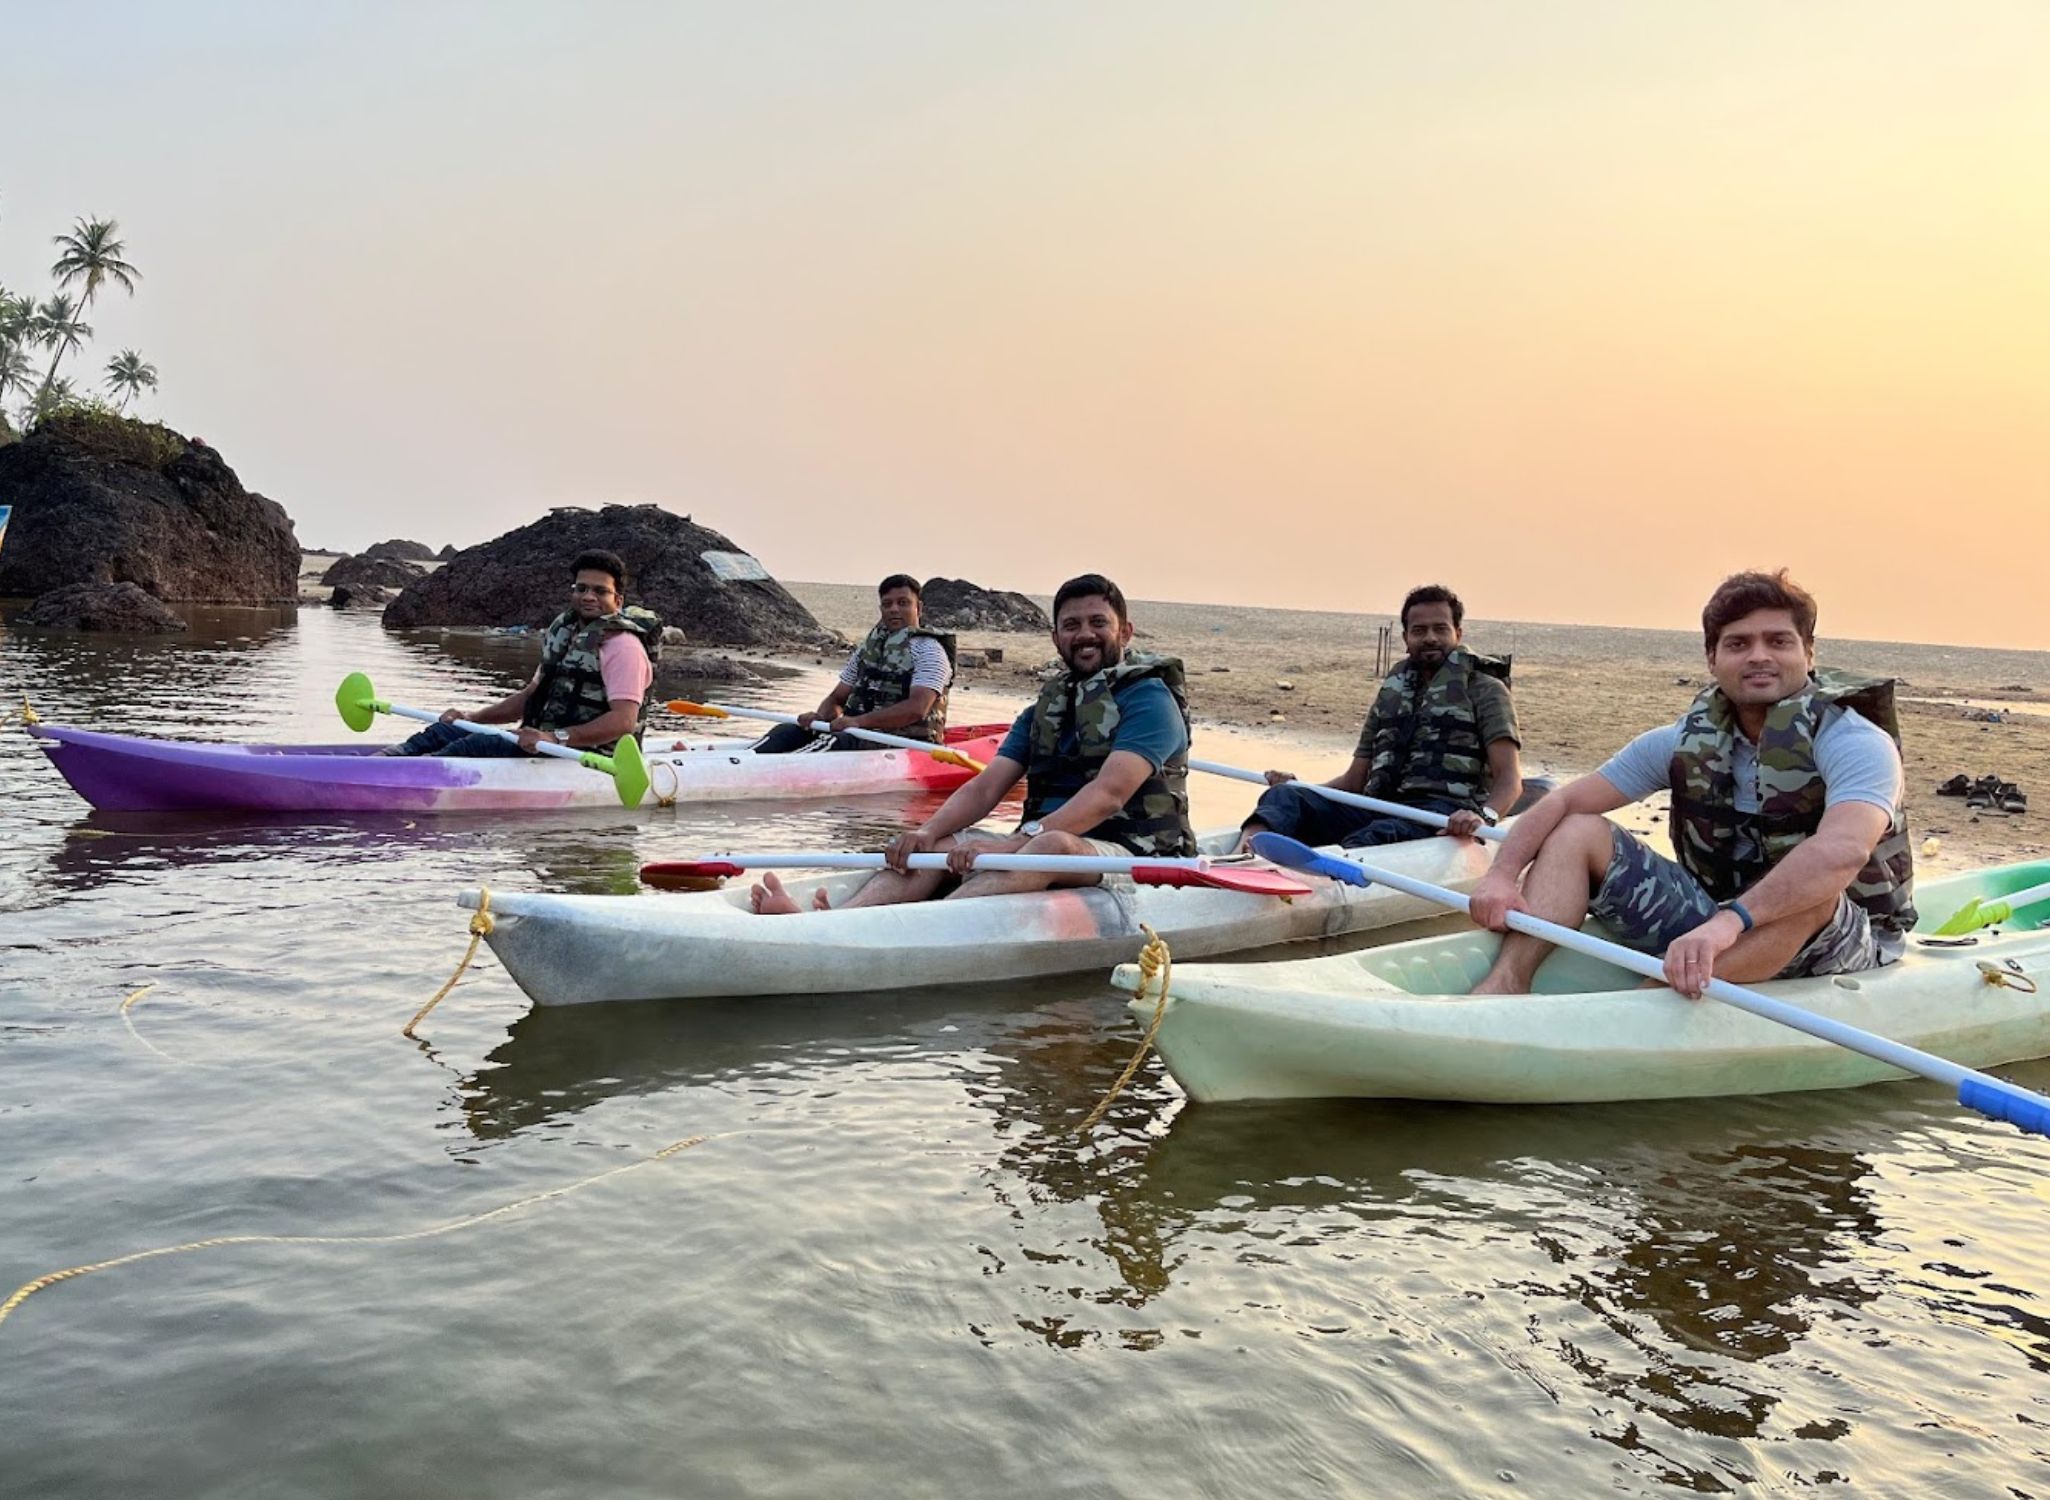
(1429, 634)
(1761, 658)
(593, 593)
(899, 609)
(1089, 635)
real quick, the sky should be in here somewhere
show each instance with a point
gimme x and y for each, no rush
(1573, 306)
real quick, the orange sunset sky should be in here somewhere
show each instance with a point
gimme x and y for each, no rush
(1572, 306)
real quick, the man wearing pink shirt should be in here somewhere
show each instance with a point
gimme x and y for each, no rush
(591, 689)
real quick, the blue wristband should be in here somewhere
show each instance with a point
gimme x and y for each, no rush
(1742, 915)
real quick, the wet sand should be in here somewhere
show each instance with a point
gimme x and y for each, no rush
(1293, 686)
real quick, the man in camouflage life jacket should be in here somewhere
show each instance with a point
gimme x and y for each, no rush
(591, 688)
(896, 681)
(1441, 736)
(1787, 820)
(1104, 754)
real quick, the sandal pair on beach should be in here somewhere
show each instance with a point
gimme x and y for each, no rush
(1987, 792)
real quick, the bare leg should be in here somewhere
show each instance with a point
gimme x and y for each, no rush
(1770, 946)
(1016, 882)
(1558, 887)
(888, 888)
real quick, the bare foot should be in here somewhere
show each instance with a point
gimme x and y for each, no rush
(820, 901)
(769, 899)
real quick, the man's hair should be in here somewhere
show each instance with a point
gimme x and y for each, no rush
(1084, 587)
(1434, 593)
(1741, 593)
(601, 562)
(900, 581)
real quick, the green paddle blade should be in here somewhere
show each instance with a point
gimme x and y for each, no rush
(356, 701)
(1973, 915)
(627, 768)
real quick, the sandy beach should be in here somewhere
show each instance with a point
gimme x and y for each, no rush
(1298, 682)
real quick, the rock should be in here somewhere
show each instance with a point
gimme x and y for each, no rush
(672, 638)
(446, 552)
(523, 577)
(993, 654)
(1220, 669)
(102, 499)
(361, 596)
(373, 572)
(1285, 685)
(400, 550)
(965, 658)
(125, 608)
(956, 604)
(700, 666)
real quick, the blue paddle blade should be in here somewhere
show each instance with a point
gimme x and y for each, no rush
(1294, 854)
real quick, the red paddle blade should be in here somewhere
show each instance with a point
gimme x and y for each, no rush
(688, 874)
(1251, 882)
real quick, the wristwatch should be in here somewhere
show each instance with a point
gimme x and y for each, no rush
(562, 736)
(1033, 829)
(1488, 815)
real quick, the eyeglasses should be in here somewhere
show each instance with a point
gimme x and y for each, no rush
(598, 589)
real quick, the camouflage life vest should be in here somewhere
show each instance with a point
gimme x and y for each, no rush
(1729, 851)
(883, 677)
(1155, 818)
(1427, 738)
(570, 689)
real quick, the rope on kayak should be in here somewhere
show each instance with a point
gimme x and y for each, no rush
(1155, 963)
(480, 927)
(2012, 976)
(662, 798)
(29, 1289)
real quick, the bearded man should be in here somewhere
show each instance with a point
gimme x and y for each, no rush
(1104, 754)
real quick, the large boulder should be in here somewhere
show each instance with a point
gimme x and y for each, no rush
(121, 608)
(401, 549)
(360, 596)
(375, 572)
(522, 578)
(957, 604)
(446, 552)
(102, 499)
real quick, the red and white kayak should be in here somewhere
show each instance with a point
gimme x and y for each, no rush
(129, 773)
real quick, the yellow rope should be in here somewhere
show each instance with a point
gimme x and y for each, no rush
(665, 799)
(480, 925)
(42, 1282)
(1155, 963)
(28, 714)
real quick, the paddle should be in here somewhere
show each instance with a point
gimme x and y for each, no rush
(1974, 914)
(359, 705)
(1350, 799)
(678, 874)
(942, 753)
(1993, 1097)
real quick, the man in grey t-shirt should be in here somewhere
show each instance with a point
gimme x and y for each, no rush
(1787, 819)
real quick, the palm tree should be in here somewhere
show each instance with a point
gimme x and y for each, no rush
(54, 394)
(58, 328)
(92, 254)
(17, 332)
(16, 370)
(129, 375)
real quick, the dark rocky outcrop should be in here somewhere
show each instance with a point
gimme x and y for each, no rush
(401, 549)
(957, 604)
(101, 499)
(446, 552)
(122, 608)
(374, 572)
(522, 578)
(361, 596)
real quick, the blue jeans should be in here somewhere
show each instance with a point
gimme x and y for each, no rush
(446, 739)
(1300, 813)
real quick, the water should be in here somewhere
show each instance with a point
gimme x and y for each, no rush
(890, 1268)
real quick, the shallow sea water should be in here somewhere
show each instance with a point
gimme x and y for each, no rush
(890, 1267)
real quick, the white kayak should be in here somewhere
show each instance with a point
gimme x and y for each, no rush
(566, 950)
(1397, 1021)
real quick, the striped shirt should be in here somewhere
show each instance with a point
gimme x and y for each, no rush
(929, 665)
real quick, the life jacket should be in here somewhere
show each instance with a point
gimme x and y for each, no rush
(1427, 737)
(1729, 851)
(1155, 818)
(883, 672)
(570, 689)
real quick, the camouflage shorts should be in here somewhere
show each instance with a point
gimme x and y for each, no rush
(1648, 900)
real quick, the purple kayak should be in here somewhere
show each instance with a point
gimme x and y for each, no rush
(127, 773)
